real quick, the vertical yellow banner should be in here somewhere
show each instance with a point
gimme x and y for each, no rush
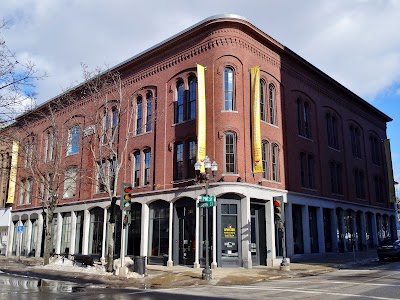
(13, 173)
(389, 167)
(201, 116)
(255, 118)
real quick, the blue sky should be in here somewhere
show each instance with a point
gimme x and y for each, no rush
(355, 42)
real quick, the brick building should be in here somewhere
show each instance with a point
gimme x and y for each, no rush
(322, 152)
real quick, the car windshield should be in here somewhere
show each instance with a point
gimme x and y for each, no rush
(389, 242)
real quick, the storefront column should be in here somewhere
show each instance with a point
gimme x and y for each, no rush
(306, 229)
(363, 236)
(170, 262)
(320, 228)
(214, 263)
(73, 233)
(196, 263)
(334, 230)
(379, 229)
(10, 239)
(355, 235)
(104, 238)
(18, 240)
(342, 229)
(39, 235)
(245, 236)
(374, 230)
(59, 232)
(29, 238)
(86, 227)
(289, 229)
(270, 233)
(145, 230)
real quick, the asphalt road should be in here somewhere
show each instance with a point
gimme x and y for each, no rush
(371, 281)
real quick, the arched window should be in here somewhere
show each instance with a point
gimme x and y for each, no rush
(304, 118)
(229, 101)
(178, 161)
(272, 113)
(136, 173)
(359, 183)
(332, 131)
(74, 135)
(355, 137)
(149, 110)
(263, 105)
(191, 106)
(275, 161)
(307, 121)
(180, 94)
(265, 159)
(147, 156)
(139, 114)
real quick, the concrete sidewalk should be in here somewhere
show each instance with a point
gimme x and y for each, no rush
(180, 276)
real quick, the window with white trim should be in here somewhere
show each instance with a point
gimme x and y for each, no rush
(70, 182)
(74, 134)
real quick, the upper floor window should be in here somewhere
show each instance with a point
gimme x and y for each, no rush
(304, 118)
(191, 106)
(70, 182)
(230, 152)
(379, 190)
(265, 159)
(179, 103)
(274, 161)
(178, 161)
(112, 171)
(229, 99)
(25, 191)
(29, 150)
(272, 96)
(359, 183)
(355, 141)
(149, 110)
(147, 156)
(101, 176)
(375, 150)
(114, 123)
(74, 134)
(332, 130)
(307, 170)
(110, 124)
(336, 177)
(139, 114)
(136, 173)
(191, 159)
(49, 144)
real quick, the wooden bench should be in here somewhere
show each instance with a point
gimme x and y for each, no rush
(86, 260)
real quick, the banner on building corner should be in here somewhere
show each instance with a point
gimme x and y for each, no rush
(13, 172)
(389, 167)
(255, 120)
(201, 116)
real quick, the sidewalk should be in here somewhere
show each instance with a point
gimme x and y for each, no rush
(180, 276)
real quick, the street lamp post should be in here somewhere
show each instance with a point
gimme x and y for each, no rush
(205, 176)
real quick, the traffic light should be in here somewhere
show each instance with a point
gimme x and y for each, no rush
(278, 208)
(126, 196)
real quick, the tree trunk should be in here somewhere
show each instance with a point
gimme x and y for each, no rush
(110, 247)
(48, 237)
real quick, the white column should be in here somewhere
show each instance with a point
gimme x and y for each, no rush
(334, 231)
(73, 233)
(104, 239)
(214, 235)
(320, 228)
(18, 240)
(305, 218)
(11, 238)
(363, 236)
(270, 233)
(289, 229)
(39, 235)
(145, 230)
(245, 237)
(374, 230)
(86, 226)
(170, 263)
(59, 232)
(29, 238)
(196, 263)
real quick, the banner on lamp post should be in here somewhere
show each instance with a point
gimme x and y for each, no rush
(255, 120)
(201, 116)
(13, 172)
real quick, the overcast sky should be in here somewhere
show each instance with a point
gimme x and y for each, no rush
(356, 42)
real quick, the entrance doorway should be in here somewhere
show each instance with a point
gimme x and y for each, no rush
(258, 245)
(184, 232)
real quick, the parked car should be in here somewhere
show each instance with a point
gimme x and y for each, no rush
(388, 248)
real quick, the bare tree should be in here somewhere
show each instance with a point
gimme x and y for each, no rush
(17, 82)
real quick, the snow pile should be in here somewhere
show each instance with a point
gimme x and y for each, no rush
(129, 264)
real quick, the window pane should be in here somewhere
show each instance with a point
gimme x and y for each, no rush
(228, 89)
(180, 93)
(149, 99)
(73, 140)
(139, 115)
(192, 99)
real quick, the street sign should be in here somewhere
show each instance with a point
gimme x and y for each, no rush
(206, 204)
(206, 198)
(20, 229)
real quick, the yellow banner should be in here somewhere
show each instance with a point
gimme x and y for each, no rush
(13, 173)
(255, 120)
(392, 192)
(201, 116)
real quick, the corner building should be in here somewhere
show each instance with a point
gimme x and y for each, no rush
(321, 147)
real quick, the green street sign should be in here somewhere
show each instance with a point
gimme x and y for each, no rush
(207, 198)
(206, 204)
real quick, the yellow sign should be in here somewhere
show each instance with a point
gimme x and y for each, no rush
(13, 172)
(201, 116)
(229, 233)
(392, 192)
(255, 118)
